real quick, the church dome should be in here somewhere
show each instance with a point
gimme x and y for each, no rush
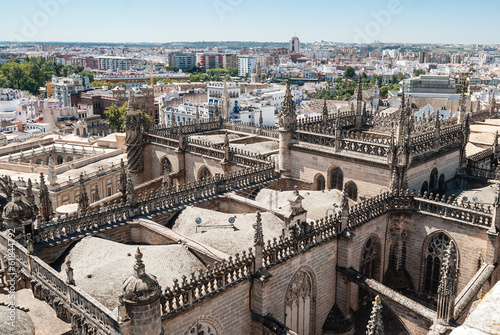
(17, 209)
(140, 287)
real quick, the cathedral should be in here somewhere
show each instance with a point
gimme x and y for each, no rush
(353, 222)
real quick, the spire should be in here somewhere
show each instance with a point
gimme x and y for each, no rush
(69, 273)
(225, 102)
(130, 192)
(139, 267)
(345, 199)
(462, 107)
(493, 100)
(227, 155)
(197, 118)
(325, 109)
(447, 289)
(360, 89)
(376, 324)
(261, 119)
(83, 199)
(259, 236)
(122, 181)
(172, 118)
(45, 202)
(132, 103)
(288, 116)
(30, 197)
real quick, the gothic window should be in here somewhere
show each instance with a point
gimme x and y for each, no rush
(69, 159)
(433, 180)
(370, 265)
(433, 257)
(441, 184)
(352, 191)
(60, 160)
(298, 303)
(204, 173)
(425, 187)
(166, 166)
(336, 179)
(319, 182)
(203, 328)
(39, 161)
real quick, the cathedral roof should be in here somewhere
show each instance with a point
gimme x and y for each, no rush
(102, 267)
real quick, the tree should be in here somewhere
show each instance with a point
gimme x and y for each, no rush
(384, 90)
(233, 72)
(172, 68)
(349, 72)
(418, 72)
(116, 116)
(88, 74)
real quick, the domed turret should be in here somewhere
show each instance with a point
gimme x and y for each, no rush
(140, 287)
(17, 211)
(140, 309)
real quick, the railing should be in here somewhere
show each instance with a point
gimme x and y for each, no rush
(214, 280)
(365, 144)
(97, 219)
(470, 212)
(252, 128)
(73, 299)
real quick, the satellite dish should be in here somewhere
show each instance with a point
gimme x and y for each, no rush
(465, 199)
(231, 220)
(198, 220)
(475, 199)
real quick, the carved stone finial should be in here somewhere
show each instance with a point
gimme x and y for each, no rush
(376, 324)
(259, 236)
(288, 116)
(69, 273)
(83, 199)
(345, 199)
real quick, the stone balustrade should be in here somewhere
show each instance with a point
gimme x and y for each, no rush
(79, 304)
(79, 224)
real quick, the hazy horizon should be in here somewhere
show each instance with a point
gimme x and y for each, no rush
(155, 21)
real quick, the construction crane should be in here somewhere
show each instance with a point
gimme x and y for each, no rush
(150, 63)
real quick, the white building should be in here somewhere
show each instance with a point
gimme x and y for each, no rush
(63, 87)
(246, 65)
(116, 63)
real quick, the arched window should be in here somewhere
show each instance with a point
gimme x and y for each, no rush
(352, 191)
(319, 182)
(60, 160)
(369, 265)
(204, 173)
(47, 160)
(425, 187)
(39, 161)
(441, 184)
(77, 132)
(69, 159)
(202, 328)
(336, 179)
(434, 251)
(298, 303)
(433, 180)
(166, 166)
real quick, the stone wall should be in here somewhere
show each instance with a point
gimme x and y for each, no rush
(228, 313)
(370, 179)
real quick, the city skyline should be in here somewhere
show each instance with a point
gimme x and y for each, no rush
(394, 21)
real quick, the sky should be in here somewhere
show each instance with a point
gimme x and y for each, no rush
(160, 21)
